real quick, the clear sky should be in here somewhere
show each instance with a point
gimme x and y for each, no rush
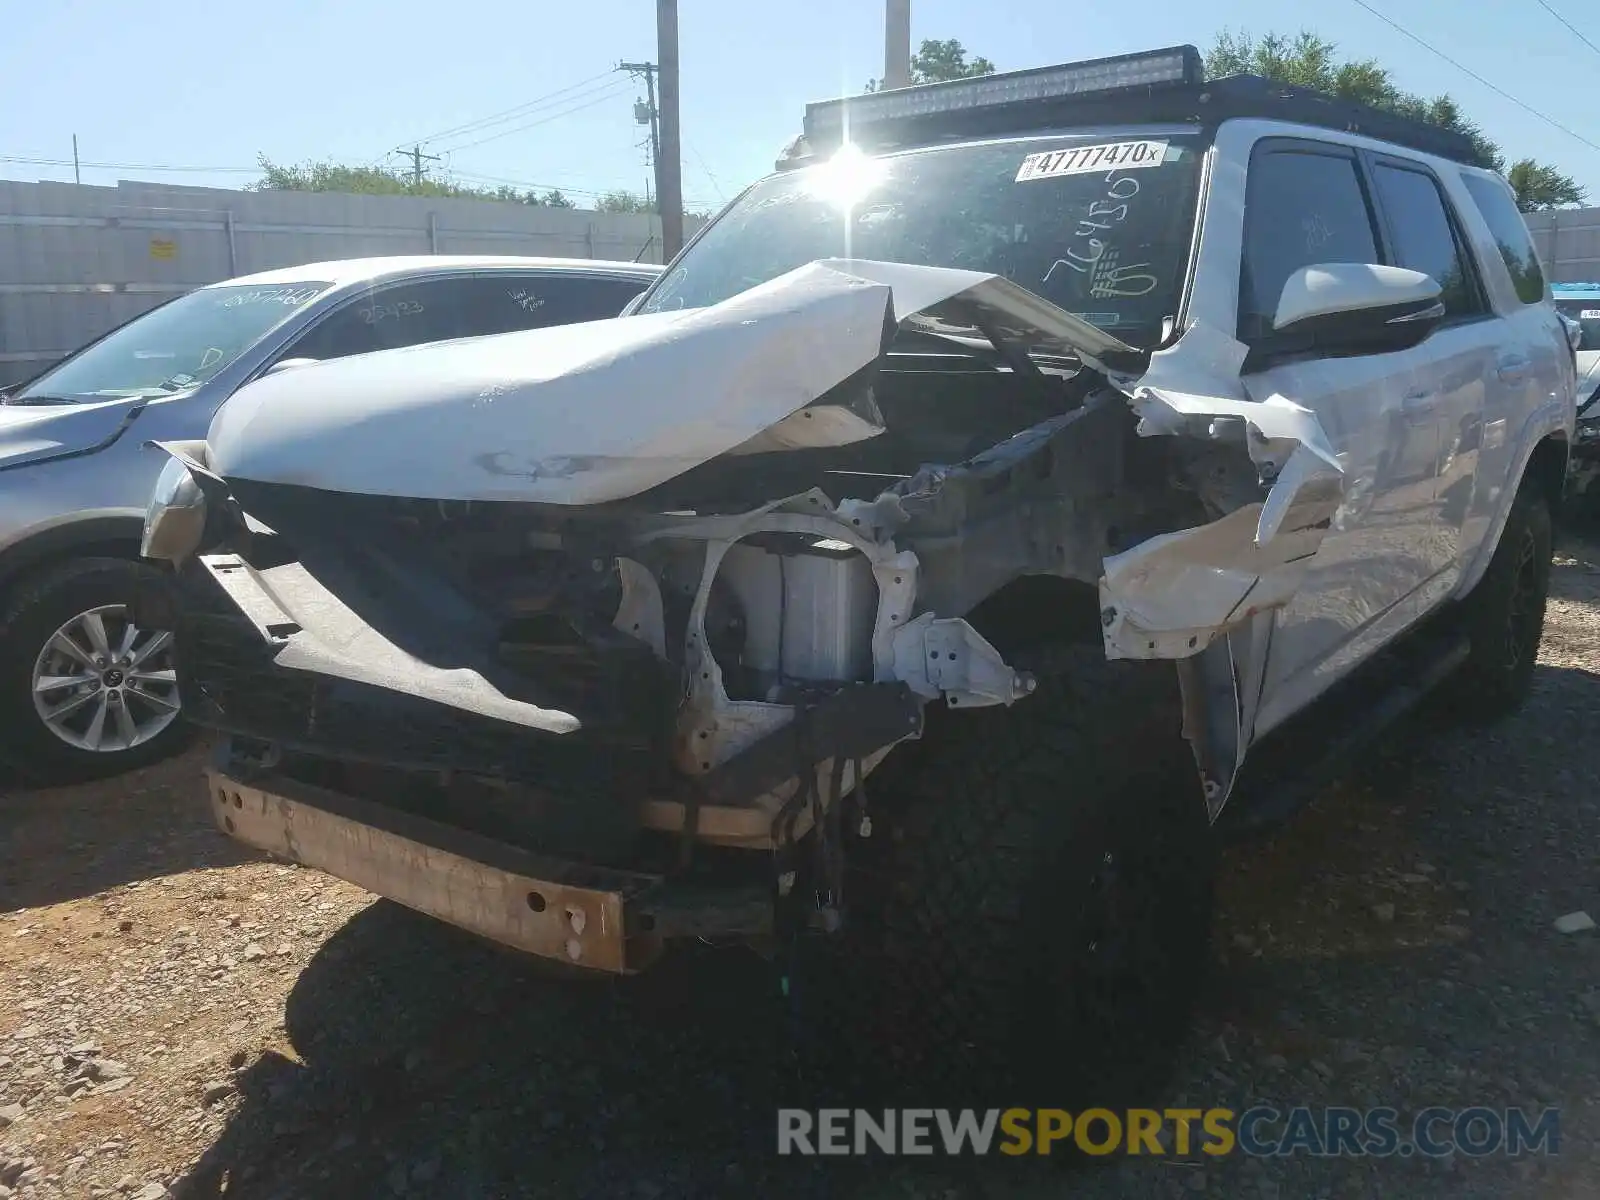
(214, 83)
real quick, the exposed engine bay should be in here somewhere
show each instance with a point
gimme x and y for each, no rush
(710, 630)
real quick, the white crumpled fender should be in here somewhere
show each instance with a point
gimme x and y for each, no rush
(1172, 596)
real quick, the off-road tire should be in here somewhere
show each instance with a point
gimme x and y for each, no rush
(1503, 616)
(973, 964)
(33, 611)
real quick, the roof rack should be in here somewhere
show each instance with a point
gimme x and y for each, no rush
(1155, 87)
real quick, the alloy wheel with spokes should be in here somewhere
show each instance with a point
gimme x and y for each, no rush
(102, 684)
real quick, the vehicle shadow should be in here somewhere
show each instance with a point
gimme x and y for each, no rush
(432, 1061)
(1393, 945)
(64, 843)
(434, 1064)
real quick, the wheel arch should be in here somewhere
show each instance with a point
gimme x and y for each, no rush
(91, 537)
(1547, 468)
(1034, 610)
(1544, 469)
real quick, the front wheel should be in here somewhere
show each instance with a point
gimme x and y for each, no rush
(1044, 895)
(85, 691)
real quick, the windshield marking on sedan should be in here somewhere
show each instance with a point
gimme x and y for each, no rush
(400, 308)
(289, 296)
(1083, 160)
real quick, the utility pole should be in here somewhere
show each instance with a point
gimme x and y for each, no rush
(75, 177)
(896, 43)
(416, 155)
(669, 169)
(651, 114)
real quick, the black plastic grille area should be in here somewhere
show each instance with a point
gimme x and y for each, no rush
(230, 683)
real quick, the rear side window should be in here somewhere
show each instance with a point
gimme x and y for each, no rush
(1302, 207)
(1424, 239)
(506, 304)
(1499, 211)
(386, 318)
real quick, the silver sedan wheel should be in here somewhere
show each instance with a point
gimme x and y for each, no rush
(103, 684)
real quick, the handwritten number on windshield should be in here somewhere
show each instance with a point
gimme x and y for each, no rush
(1107, 278)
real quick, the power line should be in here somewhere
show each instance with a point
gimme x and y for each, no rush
(614, 91)
(1500, 91)
(509, 114)
(128, 166)
(1570, 26)
(712, 179)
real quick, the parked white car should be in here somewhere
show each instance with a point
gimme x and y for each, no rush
(84, 688)
(1178, 429)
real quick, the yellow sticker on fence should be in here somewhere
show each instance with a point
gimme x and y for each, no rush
(161, 248)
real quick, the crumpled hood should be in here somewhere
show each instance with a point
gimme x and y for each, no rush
(584, 414)
(34, 433)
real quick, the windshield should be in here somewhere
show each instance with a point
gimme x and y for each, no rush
(175, 347)
(1100, 226)
(1587, 314)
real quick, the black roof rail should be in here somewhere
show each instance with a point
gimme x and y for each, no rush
(999, 105)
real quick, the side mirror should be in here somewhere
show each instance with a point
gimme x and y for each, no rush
(1574, 338)
(1356, 308)
(286, 364)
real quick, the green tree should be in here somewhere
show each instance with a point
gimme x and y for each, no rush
(383, 181)
(938, 61)
(1539, 187)
(623, 201)
(620, 201)
(1309, 61)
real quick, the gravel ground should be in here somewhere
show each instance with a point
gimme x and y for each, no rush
(176, 1012)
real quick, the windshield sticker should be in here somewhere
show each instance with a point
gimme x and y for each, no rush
(1589, 314)
(526, 300)
(1080, 160)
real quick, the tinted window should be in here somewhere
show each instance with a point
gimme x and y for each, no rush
(1423, 237)
(506, 304)
(433, 310)
(1499, 209)
(1302, 208)
(385, 318)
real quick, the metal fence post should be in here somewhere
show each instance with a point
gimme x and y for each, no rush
(433, 233)
(233, 249)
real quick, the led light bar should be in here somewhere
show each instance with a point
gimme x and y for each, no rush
(827, 120)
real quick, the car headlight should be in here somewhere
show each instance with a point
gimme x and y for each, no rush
(175, 519)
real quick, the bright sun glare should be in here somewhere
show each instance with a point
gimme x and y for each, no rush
(846, 178)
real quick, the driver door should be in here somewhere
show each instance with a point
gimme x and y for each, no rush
(1312, 202)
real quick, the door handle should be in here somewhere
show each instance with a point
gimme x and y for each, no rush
(1513, 369)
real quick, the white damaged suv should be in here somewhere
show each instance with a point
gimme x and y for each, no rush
(1185, 431)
